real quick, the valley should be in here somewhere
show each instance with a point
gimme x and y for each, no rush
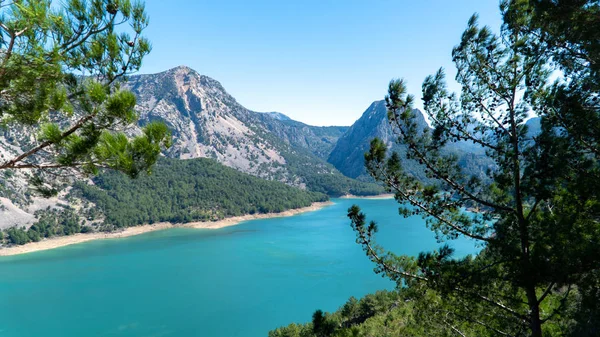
(220, 169)
(209, 129)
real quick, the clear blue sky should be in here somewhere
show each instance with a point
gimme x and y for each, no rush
(321, 62)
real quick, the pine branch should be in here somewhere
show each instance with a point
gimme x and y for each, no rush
(358, 225)
(11, 163)
(546, 293)
(460, 188)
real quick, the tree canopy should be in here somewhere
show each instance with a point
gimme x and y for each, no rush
(537, 220)
(182, 191)
(177, 191)
(60, 70)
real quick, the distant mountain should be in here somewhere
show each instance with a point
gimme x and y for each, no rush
(278, 116)
(348, 154)
(208, 122)
(320, 140)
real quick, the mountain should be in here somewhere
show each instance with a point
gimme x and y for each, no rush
(319, 140)
(208, 122)
(205, 120)
(348, 154)
(278, 116)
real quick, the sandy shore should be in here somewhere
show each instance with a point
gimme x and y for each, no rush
(131, 231)
(380, 196)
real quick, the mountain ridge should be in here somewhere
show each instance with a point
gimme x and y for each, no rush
(207, 122)
(348, 154)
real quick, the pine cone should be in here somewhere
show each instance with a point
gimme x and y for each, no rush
(111, 8)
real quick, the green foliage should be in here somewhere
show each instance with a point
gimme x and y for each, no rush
(57, 222)
(17, 236)
(86, 229)
(322, 325)
(323, 178)
(133, 156)
(538, 204)
(409, 311)
(188, 190)
(336, 185)
(385, 313)
(60, 73)
(50, 223)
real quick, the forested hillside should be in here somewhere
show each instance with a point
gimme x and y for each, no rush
(177, 191)
(189, 190)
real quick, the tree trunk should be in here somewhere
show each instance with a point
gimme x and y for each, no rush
(534, 312)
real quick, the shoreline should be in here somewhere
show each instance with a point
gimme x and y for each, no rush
(62, 241)
(379, 196)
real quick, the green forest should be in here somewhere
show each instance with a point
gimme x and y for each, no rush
(181, 191)
(177, 191)
(382, 314)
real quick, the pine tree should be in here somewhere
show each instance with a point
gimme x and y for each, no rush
(538, 205)
(61, 67)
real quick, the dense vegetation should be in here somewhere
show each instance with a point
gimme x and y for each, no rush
(362, 317)
(187, 190)
(177, 191)
(324, 178)
(538, 273)
(336, 185)
(414, 312)
(51, 222)
(77, 123)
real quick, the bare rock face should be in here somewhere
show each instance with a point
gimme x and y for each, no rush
(348, 153)
(206, 121)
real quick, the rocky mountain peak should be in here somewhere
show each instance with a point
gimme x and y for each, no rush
(348, 153)
(186, 78)
(278, 116)
(206, 120)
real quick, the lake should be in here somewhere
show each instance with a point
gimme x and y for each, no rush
(237, 281)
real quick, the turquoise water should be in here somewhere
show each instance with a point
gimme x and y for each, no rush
(238, 281)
